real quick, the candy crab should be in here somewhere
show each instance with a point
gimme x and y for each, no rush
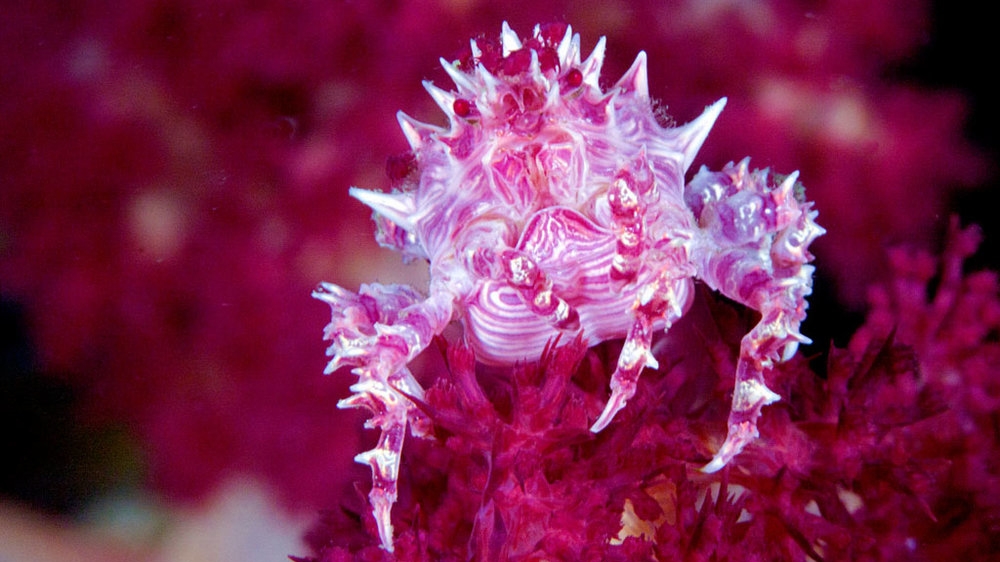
(551, 208)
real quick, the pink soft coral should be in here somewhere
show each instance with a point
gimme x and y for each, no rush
(884, 457)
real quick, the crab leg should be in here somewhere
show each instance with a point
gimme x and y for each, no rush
(634, 357)
(536, 289)
(775, 338)
(378, 331)
(750, 393)
(629, 195)
(755, 252)
(389, 415)
(664, 297)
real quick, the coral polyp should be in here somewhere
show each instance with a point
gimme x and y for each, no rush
(552, 209)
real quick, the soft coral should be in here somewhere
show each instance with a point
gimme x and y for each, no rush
(876, 459)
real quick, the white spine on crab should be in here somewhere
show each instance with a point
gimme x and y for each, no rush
(416, 132)
(509, 40)
(791, 347)
(591, 68)
(785, 191)
(636, 78)
(569, 48)
(791, 246)
(742, 170)
(675, 304)
(343, 353)
(443, 98)
(689, 138)
(462, 81)
(399, 208)
(751, 392)
(535, 68)
(488, 88)
(552, 95)
(633, 353)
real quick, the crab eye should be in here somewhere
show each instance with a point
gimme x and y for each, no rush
(462, 107)
(574, 78)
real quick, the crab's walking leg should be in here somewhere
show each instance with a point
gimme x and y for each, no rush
(536, 289)
(665, 297)
(378, 331)
(629, 195)
(751, 393)
(755, 252)
(635, 356)
(389, 414)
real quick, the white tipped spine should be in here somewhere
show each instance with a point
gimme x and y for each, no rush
(636, 78)
(509, 39)
(399, 208)
(565, 49)
(787, 187)
(415, 131)
(461, 79)
(744, 167)
(488, 85)
(693, 135)
(535, 68)
(443, 98)
(591, 68)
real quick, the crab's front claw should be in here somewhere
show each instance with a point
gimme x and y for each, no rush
(378, 331)
(354, 328)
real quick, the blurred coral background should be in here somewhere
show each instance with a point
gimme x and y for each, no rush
(173, 183)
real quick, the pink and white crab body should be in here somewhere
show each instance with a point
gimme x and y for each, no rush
(551, 208)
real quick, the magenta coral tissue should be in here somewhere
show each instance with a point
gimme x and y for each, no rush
(550, 208)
